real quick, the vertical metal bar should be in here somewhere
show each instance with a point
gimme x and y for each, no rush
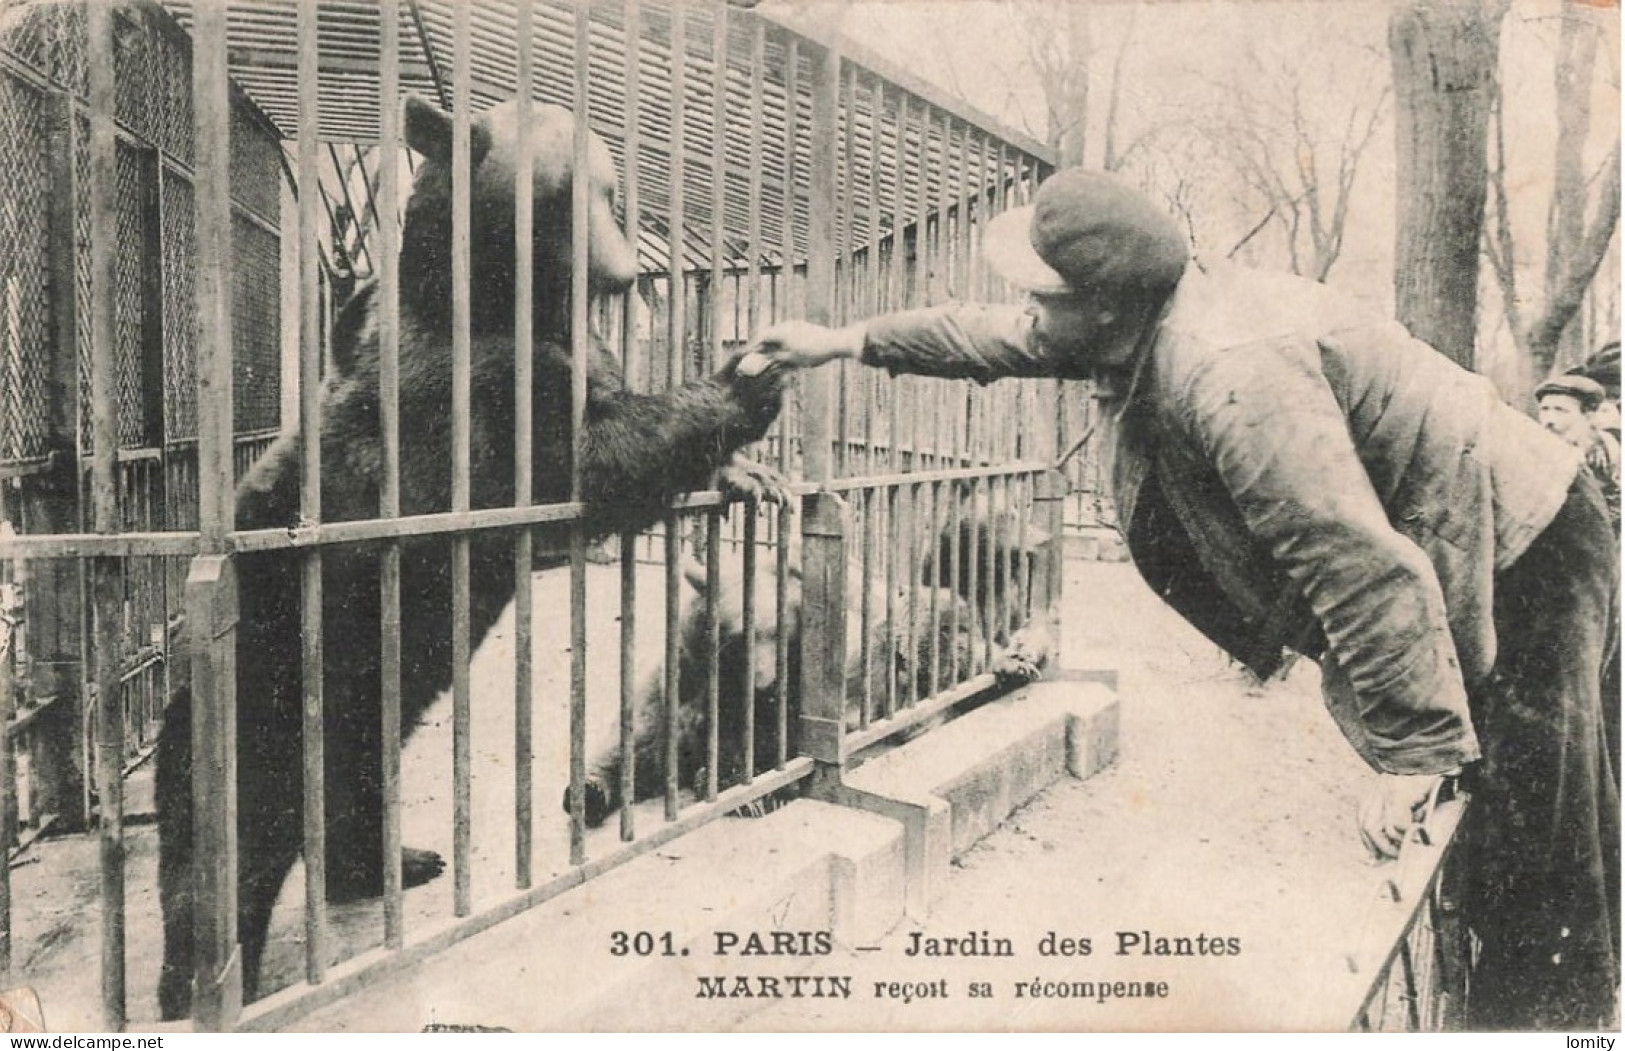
(633, 144)
(310, 503)
(634, 223)
(389, 498)
(1022, 584)
(104, 495)
(818, 384)
(897, 576)
(104, 503)
(781, 642)
(823, 622)
(674, 631)
(866, 605)
(911, 529)
(629, 689)
(677, 226)
(872, 297)
(846, 261)
(461, 367)
(719, 171)
(990, 542)
(753, 221)
(747, 622)
(899, 387)
(211, 589)
(787, 266)
(713, 649)
(1049, 492)
(523, 480)
(677, 351)
(580, 337)
(786, 519)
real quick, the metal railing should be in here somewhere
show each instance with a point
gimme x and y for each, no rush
(764, 175)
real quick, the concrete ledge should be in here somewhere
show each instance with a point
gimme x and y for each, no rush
(809, 866)
(956, 784)
(1094, 544)
(850, 871)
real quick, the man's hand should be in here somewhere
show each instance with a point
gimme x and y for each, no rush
(1391, 808)
(800, 345)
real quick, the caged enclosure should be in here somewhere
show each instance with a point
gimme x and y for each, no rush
(337, 628)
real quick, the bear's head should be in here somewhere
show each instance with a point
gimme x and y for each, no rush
(493, 162)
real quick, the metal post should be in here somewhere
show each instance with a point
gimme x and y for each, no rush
(524, 640)
(310, 505)
(105, 572)
(1049, 503)
(462, 761)
(824, 525)
(211, 587)
(211, 618)
(389, 494)
(580, 338)
(824, 528)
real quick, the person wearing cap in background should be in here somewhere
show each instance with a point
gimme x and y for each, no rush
(1294, 473)
(1568, 407)
(1603, 366)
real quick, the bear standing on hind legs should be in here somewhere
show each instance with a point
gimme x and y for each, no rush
(639, 451)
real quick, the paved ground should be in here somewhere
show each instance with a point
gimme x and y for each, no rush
(1228, 815)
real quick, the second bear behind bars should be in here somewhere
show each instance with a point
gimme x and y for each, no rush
(638, 451)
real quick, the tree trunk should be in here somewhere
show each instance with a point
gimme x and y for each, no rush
(1444, 55)
(1572, 252)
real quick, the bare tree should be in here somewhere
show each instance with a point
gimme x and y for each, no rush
(1582, 215)
(1062, 59)
(1297, 156)
(1444, 55)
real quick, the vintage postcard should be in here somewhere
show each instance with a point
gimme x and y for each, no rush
(861, 516)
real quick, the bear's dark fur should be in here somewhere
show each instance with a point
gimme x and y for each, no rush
(639, 450)
(888, 657)
(961, 602)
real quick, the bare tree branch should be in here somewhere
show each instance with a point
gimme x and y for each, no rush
(1566, 296)
(1498, 244)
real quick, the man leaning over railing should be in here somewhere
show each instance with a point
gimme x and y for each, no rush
(1294, 473)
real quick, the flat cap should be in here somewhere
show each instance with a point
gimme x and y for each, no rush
(1603, 366)
(1588, 392)
(1087, 231)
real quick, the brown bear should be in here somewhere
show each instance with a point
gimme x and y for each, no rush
(639, 450)
(988, 532)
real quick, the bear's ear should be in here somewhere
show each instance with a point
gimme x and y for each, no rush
(428, 131)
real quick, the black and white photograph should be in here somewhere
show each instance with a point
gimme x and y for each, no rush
(810, 516)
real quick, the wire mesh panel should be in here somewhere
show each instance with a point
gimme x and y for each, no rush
(90, 687)
(24, 270)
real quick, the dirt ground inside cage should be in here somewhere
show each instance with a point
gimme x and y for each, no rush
(1228, 814)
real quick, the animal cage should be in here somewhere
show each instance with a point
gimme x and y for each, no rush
(47, 430)
(767, 170)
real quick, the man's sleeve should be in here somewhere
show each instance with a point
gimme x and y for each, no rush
(1269, 422)
(958, 341)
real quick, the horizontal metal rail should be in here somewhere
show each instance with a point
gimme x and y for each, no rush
(344, 979)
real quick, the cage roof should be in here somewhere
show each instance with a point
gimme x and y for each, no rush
(951, 155)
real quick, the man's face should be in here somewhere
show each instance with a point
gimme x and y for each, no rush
(1565, 417)
(1079, 328)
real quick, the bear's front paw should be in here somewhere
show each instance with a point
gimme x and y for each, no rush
(742, 478)
(419, 866)
(760, 392)
(1024, 659)
(598, 803)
